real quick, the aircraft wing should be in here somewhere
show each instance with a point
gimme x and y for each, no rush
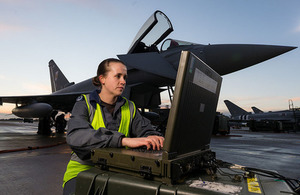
(149, 62)
(63, 102)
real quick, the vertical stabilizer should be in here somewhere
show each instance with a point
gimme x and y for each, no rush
(58, 79)
(234, 109)
(256, 110)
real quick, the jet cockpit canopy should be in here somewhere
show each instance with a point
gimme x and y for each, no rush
(156, 28)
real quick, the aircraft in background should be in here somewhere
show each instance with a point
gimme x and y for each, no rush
(256, 110)
(276, 120)
(150, 70)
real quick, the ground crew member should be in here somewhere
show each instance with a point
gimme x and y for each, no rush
(105, 119)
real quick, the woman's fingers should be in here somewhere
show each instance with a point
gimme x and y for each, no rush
(151, 142)
(156, 142)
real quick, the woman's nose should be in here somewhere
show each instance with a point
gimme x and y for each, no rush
(123, 81)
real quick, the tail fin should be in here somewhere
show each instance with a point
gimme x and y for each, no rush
(256, 110)
(234, 109)
(58, 79)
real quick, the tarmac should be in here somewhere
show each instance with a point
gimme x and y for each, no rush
(31, 163)
(35, 164)
(264, 150)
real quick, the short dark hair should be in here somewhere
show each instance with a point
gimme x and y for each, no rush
(103, 69)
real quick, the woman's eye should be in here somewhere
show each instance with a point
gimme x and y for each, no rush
(120, 76)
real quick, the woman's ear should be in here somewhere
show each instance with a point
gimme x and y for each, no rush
(102, 79)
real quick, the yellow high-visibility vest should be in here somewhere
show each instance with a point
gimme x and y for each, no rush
(96, 120)
(127, 115)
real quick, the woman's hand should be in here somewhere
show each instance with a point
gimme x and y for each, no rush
(151, 142)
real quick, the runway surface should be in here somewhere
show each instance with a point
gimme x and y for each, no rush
(32, 171)
(264, 150)
(25, 169)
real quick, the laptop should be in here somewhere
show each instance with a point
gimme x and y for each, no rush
(188, 131)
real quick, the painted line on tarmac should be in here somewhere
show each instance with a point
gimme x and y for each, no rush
(32, 148)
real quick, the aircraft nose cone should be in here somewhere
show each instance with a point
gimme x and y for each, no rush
(229, 58)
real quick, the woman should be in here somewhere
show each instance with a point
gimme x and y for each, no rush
(105, 119)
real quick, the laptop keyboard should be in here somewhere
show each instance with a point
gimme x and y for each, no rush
(144, 149)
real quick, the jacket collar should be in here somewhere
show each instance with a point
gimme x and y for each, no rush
(94, 99)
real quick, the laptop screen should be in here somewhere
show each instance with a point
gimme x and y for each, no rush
(194, 106)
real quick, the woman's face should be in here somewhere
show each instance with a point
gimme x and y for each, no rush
(115, 80)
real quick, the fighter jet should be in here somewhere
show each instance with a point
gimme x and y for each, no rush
(150, 70)
(289, 117)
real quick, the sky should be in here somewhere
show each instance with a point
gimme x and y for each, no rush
(79, 34)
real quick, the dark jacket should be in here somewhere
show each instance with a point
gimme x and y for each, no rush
(82, 137)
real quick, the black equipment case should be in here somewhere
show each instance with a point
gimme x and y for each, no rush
(97, 181)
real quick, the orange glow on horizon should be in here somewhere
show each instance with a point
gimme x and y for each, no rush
(6, 108)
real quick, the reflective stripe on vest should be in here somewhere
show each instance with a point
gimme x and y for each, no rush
(127, 115)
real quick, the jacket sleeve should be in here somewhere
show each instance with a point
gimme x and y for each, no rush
(81, 136)
(142, 127)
